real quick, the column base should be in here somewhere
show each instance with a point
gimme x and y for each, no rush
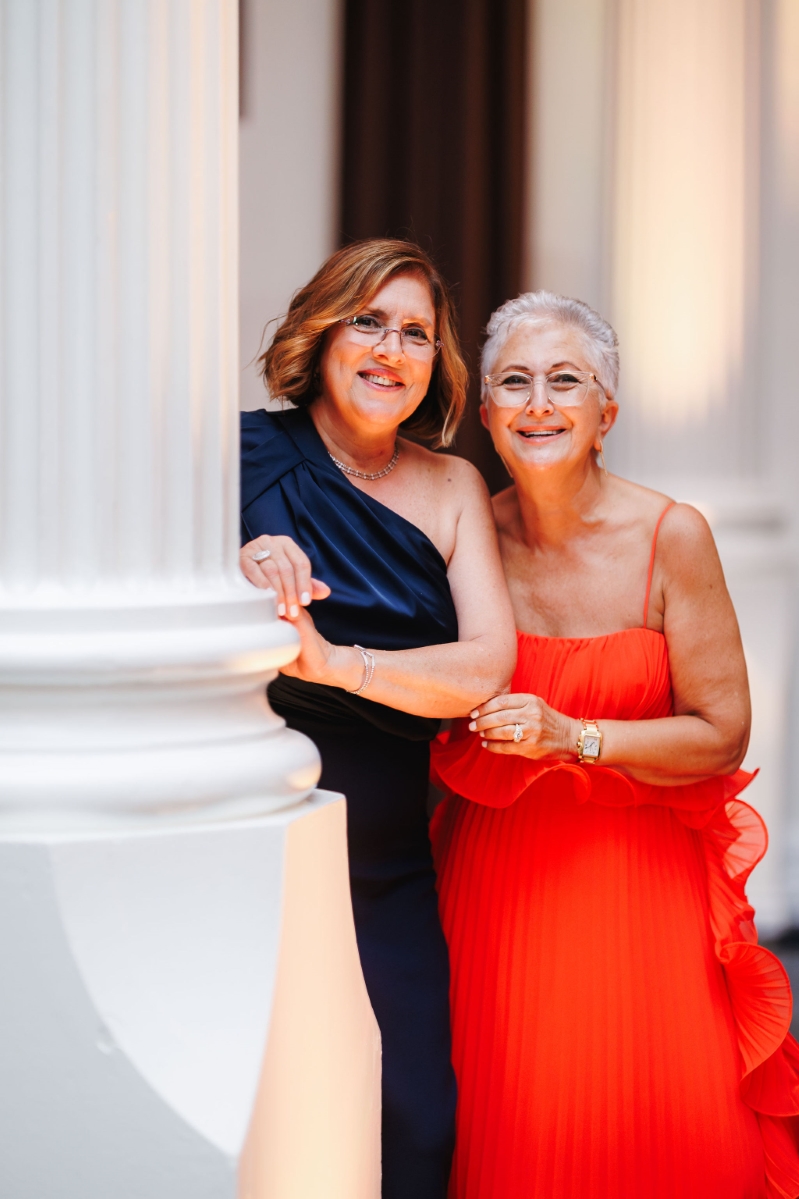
(183, 1014)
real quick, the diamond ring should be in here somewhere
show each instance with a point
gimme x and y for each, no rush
(261, 556)
(518, 733)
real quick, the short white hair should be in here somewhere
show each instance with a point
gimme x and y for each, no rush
(534, 307)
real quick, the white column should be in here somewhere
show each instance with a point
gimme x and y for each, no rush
(184, 1014)
(646, 201)
(133, 656)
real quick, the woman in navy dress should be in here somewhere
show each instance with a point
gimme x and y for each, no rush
(371, 540)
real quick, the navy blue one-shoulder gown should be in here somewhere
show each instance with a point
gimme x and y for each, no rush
(389, 590)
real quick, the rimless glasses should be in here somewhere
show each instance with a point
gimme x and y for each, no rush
(414, 340)
(563, 388)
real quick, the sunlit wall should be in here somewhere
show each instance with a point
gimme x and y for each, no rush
(683, 203)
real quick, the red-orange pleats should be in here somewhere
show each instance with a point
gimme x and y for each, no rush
(618, 1033)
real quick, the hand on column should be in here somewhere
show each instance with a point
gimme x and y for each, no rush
(286, 569)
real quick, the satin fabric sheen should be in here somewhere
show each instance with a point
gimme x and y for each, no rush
(389, 582)
(618, 1032)
(389, 591)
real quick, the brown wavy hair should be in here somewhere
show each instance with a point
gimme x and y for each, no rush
(341, 287)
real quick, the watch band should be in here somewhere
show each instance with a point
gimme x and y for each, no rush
(589, 743)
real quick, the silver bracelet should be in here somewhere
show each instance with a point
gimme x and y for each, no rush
(368, 669)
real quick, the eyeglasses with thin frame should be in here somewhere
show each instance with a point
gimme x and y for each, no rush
(414, 340)
(563, 388)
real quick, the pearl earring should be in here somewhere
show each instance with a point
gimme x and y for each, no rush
(601, 457)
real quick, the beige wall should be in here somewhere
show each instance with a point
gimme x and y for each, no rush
(288, 160)
(567, 121)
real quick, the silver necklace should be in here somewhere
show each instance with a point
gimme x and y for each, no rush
(362, 474)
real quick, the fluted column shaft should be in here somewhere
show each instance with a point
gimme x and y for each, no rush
(132, 653)
(120, 275)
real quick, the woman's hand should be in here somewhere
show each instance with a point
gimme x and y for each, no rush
(545, 732)
(319, 661)
(287, 570)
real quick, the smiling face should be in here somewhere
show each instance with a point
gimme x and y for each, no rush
(539, 436)
(378, 386)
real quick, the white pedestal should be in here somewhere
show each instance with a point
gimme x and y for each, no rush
(183, 1014)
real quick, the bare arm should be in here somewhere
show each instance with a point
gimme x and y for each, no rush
(709, 731)
(436, 680)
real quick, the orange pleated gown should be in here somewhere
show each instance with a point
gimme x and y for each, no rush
(618, 1033)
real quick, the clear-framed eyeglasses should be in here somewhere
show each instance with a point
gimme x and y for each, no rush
(563, 389)
(414, 340)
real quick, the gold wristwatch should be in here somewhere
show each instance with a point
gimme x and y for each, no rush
(589, 743)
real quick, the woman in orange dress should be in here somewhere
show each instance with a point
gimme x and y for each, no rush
(618, 1032)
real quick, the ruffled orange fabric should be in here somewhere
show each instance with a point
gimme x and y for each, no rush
(617, 1029)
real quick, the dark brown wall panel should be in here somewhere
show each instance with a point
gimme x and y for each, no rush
(433, 149)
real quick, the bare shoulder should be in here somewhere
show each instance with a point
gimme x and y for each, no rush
(685, 530)
(684, 534)
(685, 542)
(636, 501)
(444, 471)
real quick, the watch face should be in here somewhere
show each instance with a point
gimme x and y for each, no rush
(591, 745)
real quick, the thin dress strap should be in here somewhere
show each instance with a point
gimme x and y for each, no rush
(652, 559)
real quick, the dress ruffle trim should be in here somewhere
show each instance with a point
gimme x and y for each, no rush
(735, 839)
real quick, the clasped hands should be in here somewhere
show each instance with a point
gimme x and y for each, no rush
(545, 733)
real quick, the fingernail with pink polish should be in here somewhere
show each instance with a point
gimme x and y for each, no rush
(294, 610)
(281, 609)
(484, 744)
(473, 726)
(305, 598)
(473, 714)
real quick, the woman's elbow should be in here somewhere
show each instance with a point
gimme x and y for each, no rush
(736, 757)
(499, 663)
(733, 749)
